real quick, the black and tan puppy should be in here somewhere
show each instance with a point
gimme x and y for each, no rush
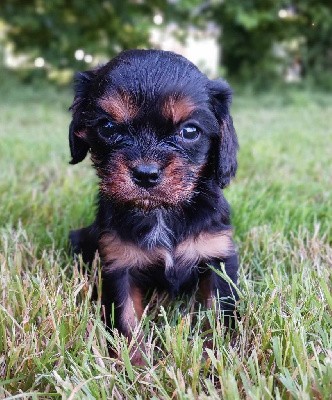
(163, 144)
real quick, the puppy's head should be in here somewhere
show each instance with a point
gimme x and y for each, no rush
(155, 126)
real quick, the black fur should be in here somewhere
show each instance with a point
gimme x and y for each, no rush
(205, 165)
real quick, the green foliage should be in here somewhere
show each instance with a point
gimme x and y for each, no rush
(248, 32)
(52, 341)
(316, 26)
(54, 30)
(251, 28)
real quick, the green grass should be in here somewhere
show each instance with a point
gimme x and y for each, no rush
(52, 341)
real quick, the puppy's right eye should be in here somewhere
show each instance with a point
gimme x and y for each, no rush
(107, 129)
(109, 126)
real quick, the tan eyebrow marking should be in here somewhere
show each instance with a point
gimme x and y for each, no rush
(121, 106)
(177, 108)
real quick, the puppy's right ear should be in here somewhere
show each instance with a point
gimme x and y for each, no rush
(78, 144)
(78, 141)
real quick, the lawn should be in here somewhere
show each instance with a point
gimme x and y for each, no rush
(52, 341)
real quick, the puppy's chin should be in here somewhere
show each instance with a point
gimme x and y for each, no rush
(146, 202)
(150, 203)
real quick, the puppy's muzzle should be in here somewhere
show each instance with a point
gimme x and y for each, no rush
(146, 175)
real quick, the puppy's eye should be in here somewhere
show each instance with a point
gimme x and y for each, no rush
(107, 129)
(109, 124)
(189, 133)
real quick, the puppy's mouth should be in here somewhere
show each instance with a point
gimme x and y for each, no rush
(148, 186)
(147, 203)
(161, 196)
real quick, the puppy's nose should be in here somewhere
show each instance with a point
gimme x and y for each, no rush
(146, 175)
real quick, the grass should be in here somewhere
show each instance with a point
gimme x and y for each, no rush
(52, 341)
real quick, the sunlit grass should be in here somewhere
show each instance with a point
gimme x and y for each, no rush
(52, 341)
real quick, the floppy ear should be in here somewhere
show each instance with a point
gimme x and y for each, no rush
(78, 142)
(226, 161)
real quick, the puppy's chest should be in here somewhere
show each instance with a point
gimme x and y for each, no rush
(116, 253)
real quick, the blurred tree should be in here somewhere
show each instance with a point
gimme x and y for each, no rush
(251, 28)
(55, 29)
(261, 38)
(315, 24)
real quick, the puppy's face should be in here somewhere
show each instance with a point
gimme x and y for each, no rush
(155, 127)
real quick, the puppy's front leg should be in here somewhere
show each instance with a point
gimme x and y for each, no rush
(84, 242)
(123, 302)
(212, 286)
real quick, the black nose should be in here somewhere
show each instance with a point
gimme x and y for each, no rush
(146, 175)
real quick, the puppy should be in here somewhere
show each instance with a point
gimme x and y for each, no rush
(163, 145)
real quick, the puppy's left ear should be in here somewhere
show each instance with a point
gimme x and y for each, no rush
(226, 157)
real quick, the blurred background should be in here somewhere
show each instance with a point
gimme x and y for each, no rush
(276, 54)
(253, 42)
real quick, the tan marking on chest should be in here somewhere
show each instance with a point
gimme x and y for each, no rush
(204, 247)
(117, 253)
(120, 106)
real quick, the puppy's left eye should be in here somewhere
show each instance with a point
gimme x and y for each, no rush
(189, 133)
